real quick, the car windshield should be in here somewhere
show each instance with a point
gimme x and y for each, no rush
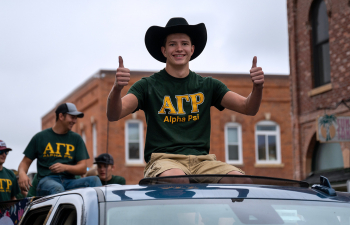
(227, 212)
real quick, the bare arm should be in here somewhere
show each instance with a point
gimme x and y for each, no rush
(77, 169)
(118, 107)
(23, 180)
(250, 105)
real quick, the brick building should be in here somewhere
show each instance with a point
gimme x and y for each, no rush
(234, 137)
(319, 46)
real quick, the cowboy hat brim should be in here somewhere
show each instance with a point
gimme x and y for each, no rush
(155, 36)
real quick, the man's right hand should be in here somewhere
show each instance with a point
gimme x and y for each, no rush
(122, 77)
(24, 182)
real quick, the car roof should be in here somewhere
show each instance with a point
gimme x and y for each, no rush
(117, 193)
(258, 188)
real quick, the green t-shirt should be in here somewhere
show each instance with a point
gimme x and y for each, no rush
(8, 185)
(50, 148)
(177, 112)
(114, 180)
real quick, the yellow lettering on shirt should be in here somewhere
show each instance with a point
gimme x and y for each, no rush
(70, 148)
(196, 99)
(48, 148)
(179, 98)
(167, 104)
(1, 187)
(166, 119)
(58, 150)
(9, 184)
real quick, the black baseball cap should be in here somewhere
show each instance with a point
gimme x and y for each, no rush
(105, 159)
(70, 109)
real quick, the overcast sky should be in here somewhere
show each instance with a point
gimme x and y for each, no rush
(48, 48)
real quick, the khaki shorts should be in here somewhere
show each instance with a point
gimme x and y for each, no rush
(189, 164)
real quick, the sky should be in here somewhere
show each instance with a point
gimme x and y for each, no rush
(48, 48)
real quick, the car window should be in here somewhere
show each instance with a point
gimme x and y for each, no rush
(36, 216)
(66, 214)
(227, 212)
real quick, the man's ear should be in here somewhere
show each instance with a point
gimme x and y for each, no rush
(61, 116)
(163, 51)
(112, 167)
(192, 50)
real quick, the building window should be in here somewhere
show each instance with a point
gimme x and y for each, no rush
(327, 156)
(134, 141)
(94, 140)
(233, 143)
(320, 44)
(267, 143)
(83, 136)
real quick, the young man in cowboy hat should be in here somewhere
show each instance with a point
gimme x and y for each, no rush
(8, 182)
(177, 102)
(61, 154)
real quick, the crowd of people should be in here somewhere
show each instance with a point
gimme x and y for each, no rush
(172, 148)
(58, 169)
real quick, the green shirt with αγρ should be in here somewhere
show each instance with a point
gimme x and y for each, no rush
(177, 112)
(114, 180)
(50, 148)
(8, 185)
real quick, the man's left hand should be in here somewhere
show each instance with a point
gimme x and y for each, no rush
(58, 168)
(257, 74)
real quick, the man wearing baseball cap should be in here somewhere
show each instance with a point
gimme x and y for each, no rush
(177, 102)
(8, 182)
(61, 154)
(105, 168)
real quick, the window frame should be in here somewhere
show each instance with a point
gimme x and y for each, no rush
(318, 59)
(141, 143)
(94, 139)
(239, 138)
(277, 133)
(60, 216)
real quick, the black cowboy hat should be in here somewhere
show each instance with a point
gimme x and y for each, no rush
(155, 36)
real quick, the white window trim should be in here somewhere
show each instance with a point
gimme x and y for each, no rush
(277, 133)
(240, 151)
(94, 140)
(133, 161)
(83, 136)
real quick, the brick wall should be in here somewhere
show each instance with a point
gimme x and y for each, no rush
(304, 106)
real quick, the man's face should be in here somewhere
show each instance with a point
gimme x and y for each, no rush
(105, 171)
(3, 155)
(68, 120)
(178, 49)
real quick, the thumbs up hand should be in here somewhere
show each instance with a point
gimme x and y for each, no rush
(257, 74)
(122, 77)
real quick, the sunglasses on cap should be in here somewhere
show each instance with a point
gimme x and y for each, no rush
(4, 151)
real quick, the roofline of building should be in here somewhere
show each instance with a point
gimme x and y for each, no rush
(99, 74)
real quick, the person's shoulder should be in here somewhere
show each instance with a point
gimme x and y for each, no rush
(145, 81)
(153, 77)
(74, 134)
(9, 172)
(119, 179)
(44, 132)
(200, 77)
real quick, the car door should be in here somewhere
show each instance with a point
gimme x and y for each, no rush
(68, 210)
(39, 211)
